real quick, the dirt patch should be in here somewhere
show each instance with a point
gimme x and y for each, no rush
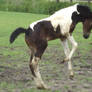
(53, 72)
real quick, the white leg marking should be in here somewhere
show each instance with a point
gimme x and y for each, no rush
(74, 46)
(67, 52)
(38, 80)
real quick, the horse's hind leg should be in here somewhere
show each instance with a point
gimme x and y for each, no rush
(35, 67)
(31, 58)
(36, 74)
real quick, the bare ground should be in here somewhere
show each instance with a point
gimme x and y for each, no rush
(54, 73)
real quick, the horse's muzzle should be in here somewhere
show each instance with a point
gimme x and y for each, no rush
(85, 36)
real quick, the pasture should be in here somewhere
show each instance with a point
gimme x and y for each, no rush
(15, 75)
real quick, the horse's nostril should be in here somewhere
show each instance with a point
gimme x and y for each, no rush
(85, 36)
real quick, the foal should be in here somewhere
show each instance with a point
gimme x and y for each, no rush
(60, 25)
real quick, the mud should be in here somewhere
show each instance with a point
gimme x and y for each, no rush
(54, 73)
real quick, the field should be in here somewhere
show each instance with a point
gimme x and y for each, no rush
(15, 75)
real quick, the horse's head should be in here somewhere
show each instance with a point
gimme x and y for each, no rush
(85, 16)
(87, 26)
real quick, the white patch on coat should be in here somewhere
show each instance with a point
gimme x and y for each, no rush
(62, 18)
(34, 23)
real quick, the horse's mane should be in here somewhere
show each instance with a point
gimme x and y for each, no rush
(85, 11)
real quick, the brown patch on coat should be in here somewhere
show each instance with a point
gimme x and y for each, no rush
(43, 32)
(38, 39)
(72, 27)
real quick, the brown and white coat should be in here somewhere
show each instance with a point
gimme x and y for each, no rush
(60, 25)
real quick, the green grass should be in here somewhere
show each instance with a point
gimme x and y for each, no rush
(18, 51)
(8, 23)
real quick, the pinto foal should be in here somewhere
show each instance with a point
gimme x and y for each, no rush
(59, 25)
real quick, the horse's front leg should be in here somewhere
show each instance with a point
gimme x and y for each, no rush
(67, 52)
(74, 47)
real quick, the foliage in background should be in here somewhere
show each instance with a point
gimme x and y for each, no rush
(34, 6)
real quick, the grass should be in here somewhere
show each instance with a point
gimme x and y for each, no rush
(16, 56)
(9, 22)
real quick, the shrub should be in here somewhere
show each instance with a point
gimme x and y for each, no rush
(34, 6)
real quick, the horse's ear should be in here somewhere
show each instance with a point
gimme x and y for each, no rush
(84, 11)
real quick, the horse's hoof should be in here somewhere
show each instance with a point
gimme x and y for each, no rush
(71, 77)
(66, 59)
(63, 61)
(43, 87)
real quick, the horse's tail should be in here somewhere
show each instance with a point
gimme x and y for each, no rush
(17, 32)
